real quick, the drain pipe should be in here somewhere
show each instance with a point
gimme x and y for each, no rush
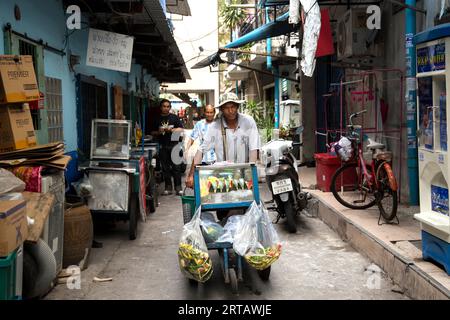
(276, 102)
(268, 44)
(411, 103)
(276, 99)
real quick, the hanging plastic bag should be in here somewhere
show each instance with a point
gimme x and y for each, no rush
(10, 183)
(256, 239)
(83, 188)
(229, 230)
(193, 258)
(211, 230)
(343, 149)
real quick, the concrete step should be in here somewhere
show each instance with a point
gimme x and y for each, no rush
(395, 248)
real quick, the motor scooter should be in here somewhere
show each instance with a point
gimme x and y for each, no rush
(281, 168)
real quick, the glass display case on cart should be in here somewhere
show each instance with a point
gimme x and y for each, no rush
(114, 177)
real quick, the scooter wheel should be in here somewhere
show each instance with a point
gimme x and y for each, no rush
(289, 211)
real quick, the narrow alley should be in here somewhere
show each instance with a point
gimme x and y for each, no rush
(315, 264)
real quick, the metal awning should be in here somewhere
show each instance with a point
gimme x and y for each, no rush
(156, 13)
(269, 3)
(180, 7)
(272, 29)
(154, 45)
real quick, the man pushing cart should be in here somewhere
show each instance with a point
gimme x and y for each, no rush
(228, 187)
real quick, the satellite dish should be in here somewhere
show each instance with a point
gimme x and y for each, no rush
(210, 60)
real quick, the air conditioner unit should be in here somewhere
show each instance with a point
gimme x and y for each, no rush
(53, 233)
(353, 36)
(292, 45)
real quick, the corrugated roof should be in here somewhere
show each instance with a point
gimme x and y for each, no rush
(180, 7)
(154, 9)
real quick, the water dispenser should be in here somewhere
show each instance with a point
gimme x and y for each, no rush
(433, 78)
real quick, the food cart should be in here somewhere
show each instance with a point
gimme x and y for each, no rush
(227, 187)
(148, 191)
(114, 177)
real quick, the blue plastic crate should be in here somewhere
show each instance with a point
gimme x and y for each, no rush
(8, 277)
(436, 249)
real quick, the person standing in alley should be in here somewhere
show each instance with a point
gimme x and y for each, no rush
(168, 129)
(199, 132)
(234, 138)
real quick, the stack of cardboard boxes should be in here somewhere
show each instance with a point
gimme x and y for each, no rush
(18, 87)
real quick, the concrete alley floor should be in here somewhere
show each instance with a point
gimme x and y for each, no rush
(315, 264)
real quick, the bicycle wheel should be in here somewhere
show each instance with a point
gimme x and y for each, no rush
(351, 188)
(388, 196)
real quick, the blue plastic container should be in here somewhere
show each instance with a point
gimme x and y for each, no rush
(436, 249)
(8, 277)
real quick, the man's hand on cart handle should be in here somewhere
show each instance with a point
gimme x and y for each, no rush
(196, 161)
(190, 181)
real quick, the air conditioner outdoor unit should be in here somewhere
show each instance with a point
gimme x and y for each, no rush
(353, 36)
(53, 233)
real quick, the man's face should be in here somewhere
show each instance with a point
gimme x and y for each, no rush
(230, 110)
(209, 113)
(165, 108)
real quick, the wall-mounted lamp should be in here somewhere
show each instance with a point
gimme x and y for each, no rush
(17, 13)
(73, 61)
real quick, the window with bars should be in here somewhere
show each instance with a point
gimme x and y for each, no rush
(27, 48)
(53, 96)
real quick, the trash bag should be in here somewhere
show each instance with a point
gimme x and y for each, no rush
(256, 239)
(211, 230)
(83, 188)
(10, 183)
(193, 258)
(230, 229)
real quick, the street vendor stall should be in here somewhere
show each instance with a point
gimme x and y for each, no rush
(113, 177)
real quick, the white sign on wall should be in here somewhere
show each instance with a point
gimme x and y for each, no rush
(109, 50)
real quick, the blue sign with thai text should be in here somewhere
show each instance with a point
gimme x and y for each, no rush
(431, 58)
(439, 199)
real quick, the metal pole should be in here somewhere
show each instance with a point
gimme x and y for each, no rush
(276, 101)
(268, 44)
(411, 103)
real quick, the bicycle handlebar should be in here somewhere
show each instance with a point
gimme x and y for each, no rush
(355, 115)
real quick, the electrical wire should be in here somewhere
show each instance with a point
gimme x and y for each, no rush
(200, 38)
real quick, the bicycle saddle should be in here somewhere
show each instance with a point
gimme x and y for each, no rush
(373, 145)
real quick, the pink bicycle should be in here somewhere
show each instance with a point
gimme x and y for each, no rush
(360, 184)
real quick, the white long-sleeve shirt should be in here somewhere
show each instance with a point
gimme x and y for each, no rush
(240, 141)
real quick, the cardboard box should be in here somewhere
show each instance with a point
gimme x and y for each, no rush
(13, 225)
(17, 79)
(16, 128)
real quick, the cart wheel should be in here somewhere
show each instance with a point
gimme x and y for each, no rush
(151, 204)
(264, 274)
(132, 229)
(153, 191)
(193, 283)
(233, 281)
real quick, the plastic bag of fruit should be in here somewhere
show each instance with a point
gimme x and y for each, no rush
(210, 228)
(256, 239)
(193, 257)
